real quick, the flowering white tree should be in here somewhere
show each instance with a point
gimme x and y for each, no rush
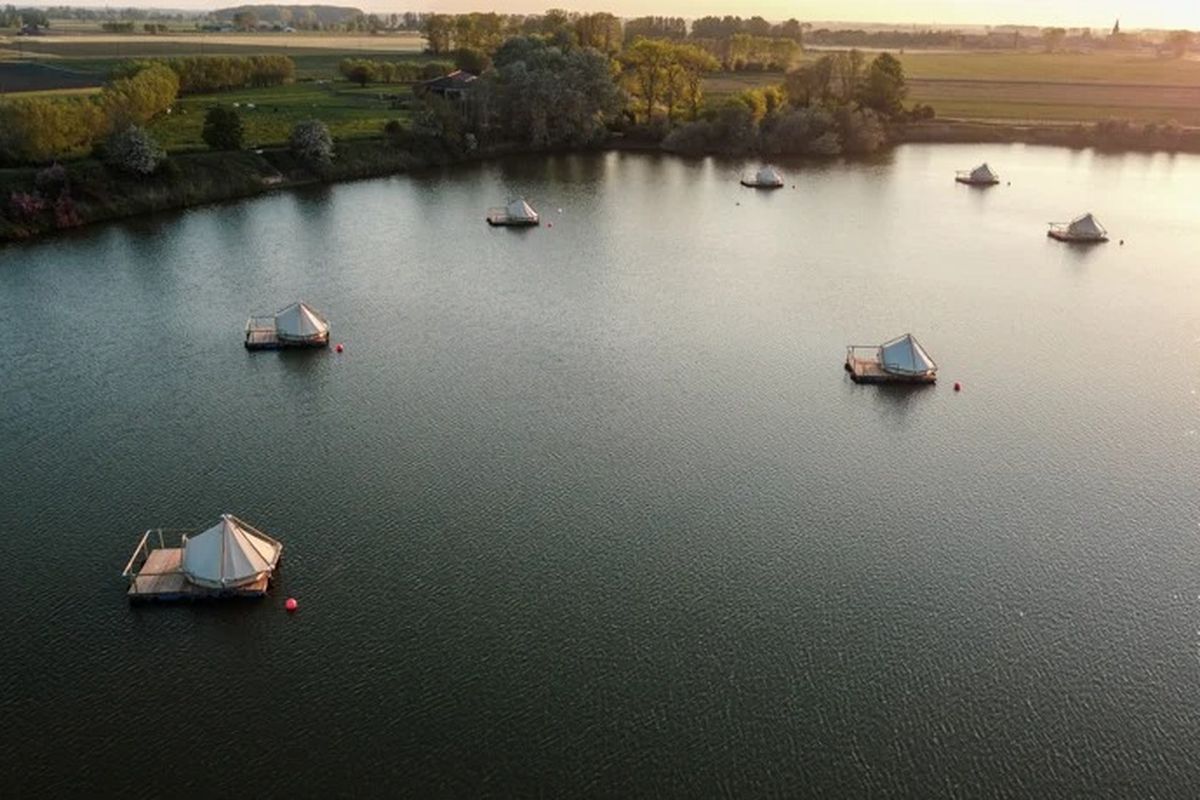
(311, 141)
(133, 150)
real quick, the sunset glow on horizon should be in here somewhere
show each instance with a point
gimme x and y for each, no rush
(1074, 13)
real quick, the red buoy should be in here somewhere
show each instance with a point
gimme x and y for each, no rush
(338, 348)
(957, 386)
(291, 604)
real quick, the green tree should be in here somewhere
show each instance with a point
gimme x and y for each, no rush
(544, 96)
(223, 129)
(693, 63)
(360, 71)
(602, 31)
(142, 97)
(245, 20)
(645, 64)
(472, 59)
(438, 31)
(1053, 38)
(884, 88)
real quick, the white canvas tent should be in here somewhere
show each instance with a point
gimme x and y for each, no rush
(229, 554)
(520, 211)
(769, 176)
(300, 323)
(1086, 227)
(984, 174)
(905, 356)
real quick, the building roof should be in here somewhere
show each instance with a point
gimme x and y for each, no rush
(229, 554)
(300, 321)
(905, 356)
(457, 80)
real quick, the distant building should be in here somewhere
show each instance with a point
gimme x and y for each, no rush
(452, 87)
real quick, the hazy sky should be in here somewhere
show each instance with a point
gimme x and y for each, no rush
(1092, 13)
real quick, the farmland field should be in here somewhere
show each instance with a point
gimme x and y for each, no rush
(1036, 86)
(316, 55)
(24, 76)
(110, 44)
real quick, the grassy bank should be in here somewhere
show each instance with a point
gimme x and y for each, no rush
(1134, 139)
(97, 193)
(100, 194)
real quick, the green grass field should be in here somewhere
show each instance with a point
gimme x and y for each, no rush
(350, 112)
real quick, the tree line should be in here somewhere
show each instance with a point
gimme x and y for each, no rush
(206, 74)
(736, 43)
(364, 70)
(839, 104)
(40, 128)
(13, 17)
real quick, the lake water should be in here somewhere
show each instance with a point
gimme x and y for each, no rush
(593, 509)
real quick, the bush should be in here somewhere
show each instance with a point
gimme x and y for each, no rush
(694, 138)
(363, 71)
(860, 131)
(922, 112)
(51, 181)
(133, 150)
(25, 206)
(435, 69)
(310, 140)
(804, 131)
(472, 59)
(223, 129)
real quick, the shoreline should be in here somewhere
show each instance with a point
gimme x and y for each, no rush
(189, 180)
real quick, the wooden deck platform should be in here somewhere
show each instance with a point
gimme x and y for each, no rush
(1062, 236)
(261, 335)
(262, 339)
(502, 220)
(156, 573)
(866, 369)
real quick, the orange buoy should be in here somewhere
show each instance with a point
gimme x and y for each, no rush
(957, 386)
(291, 604)
(338, 347)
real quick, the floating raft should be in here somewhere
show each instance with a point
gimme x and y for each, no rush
(517, 214)
(231, 559)
(901, 360)
(983, 175)
(1081, 230)
(298, 325)
(765, 178)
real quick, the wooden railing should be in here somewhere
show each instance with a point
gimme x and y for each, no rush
(152, 539)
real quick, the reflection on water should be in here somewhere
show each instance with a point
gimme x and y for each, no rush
(592, 509)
